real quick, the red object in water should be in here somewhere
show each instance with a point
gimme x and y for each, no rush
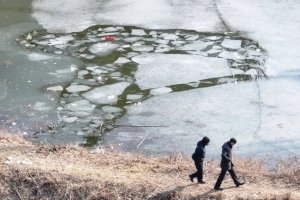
(108, 37)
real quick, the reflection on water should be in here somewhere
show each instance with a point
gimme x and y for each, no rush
(110, 78)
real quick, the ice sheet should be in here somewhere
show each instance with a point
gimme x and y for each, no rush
(218, 112)
(58, 15)
(159, 70)
(274, 24)
(279, 102)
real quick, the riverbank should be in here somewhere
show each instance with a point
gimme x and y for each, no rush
(29, 171)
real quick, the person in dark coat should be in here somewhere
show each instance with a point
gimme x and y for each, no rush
(227, 165)
(198, 158)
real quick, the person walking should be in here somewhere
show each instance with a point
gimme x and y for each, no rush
(227, 165)
(198, 158)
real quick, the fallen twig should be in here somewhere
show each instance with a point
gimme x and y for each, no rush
(142, 140)
(128, 125)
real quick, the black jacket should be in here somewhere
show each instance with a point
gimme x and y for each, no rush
(199, 154)
(226, 162)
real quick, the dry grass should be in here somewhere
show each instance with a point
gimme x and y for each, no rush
(75, 173)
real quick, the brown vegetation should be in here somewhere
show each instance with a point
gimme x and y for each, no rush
(51, 172)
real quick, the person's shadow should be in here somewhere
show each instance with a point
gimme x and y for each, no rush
(201, 196)
(171, 194)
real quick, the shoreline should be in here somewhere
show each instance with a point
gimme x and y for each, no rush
(67, 172)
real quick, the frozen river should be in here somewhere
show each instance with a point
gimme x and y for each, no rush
(152, 75)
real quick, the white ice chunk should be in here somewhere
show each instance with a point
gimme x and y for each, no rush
(139, 32)
(111, 109)
(178, 42)
(209, 43)
(171, 37)
(77, 88)
(69, 119)
(213, 37)
(142, 48)
(103, 48)
(193, 46)
(134, 96)
(152, 33)
(131, 54)
(194, 37)
(105, 34)
(214, 51)
(160, 41)
(117, 74)
(110, 29)
(106, 94)
(38, 57)
(80, 113)
(55, 88)
(122, 60)
(231, 55)
(132, 39)
(217, 47)
(125, 46)
(160, 91)
(81, 105)
(98, 71)
(254, 52)
(232, 44)
(92, 68)
(62, 40)
(44, 43)
(82, 72)
(159, 70)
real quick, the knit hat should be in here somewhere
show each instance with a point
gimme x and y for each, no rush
(233, 140)
(205, 140)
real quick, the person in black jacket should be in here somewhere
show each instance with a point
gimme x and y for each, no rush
(198, 158)
(227, 165)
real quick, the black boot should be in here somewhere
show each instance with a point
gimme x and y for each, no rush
(238, 184)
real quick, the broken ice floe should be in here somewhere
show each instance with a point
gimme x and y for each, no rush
(77, 88)
(194, 46)
(106, 94)
(232, 44)
(133, 66)
(103, 49)
(139, 32)
(81, 105)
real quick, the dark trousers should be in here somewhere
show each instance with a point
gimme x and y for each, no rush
(199, 173)
(222, 175)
